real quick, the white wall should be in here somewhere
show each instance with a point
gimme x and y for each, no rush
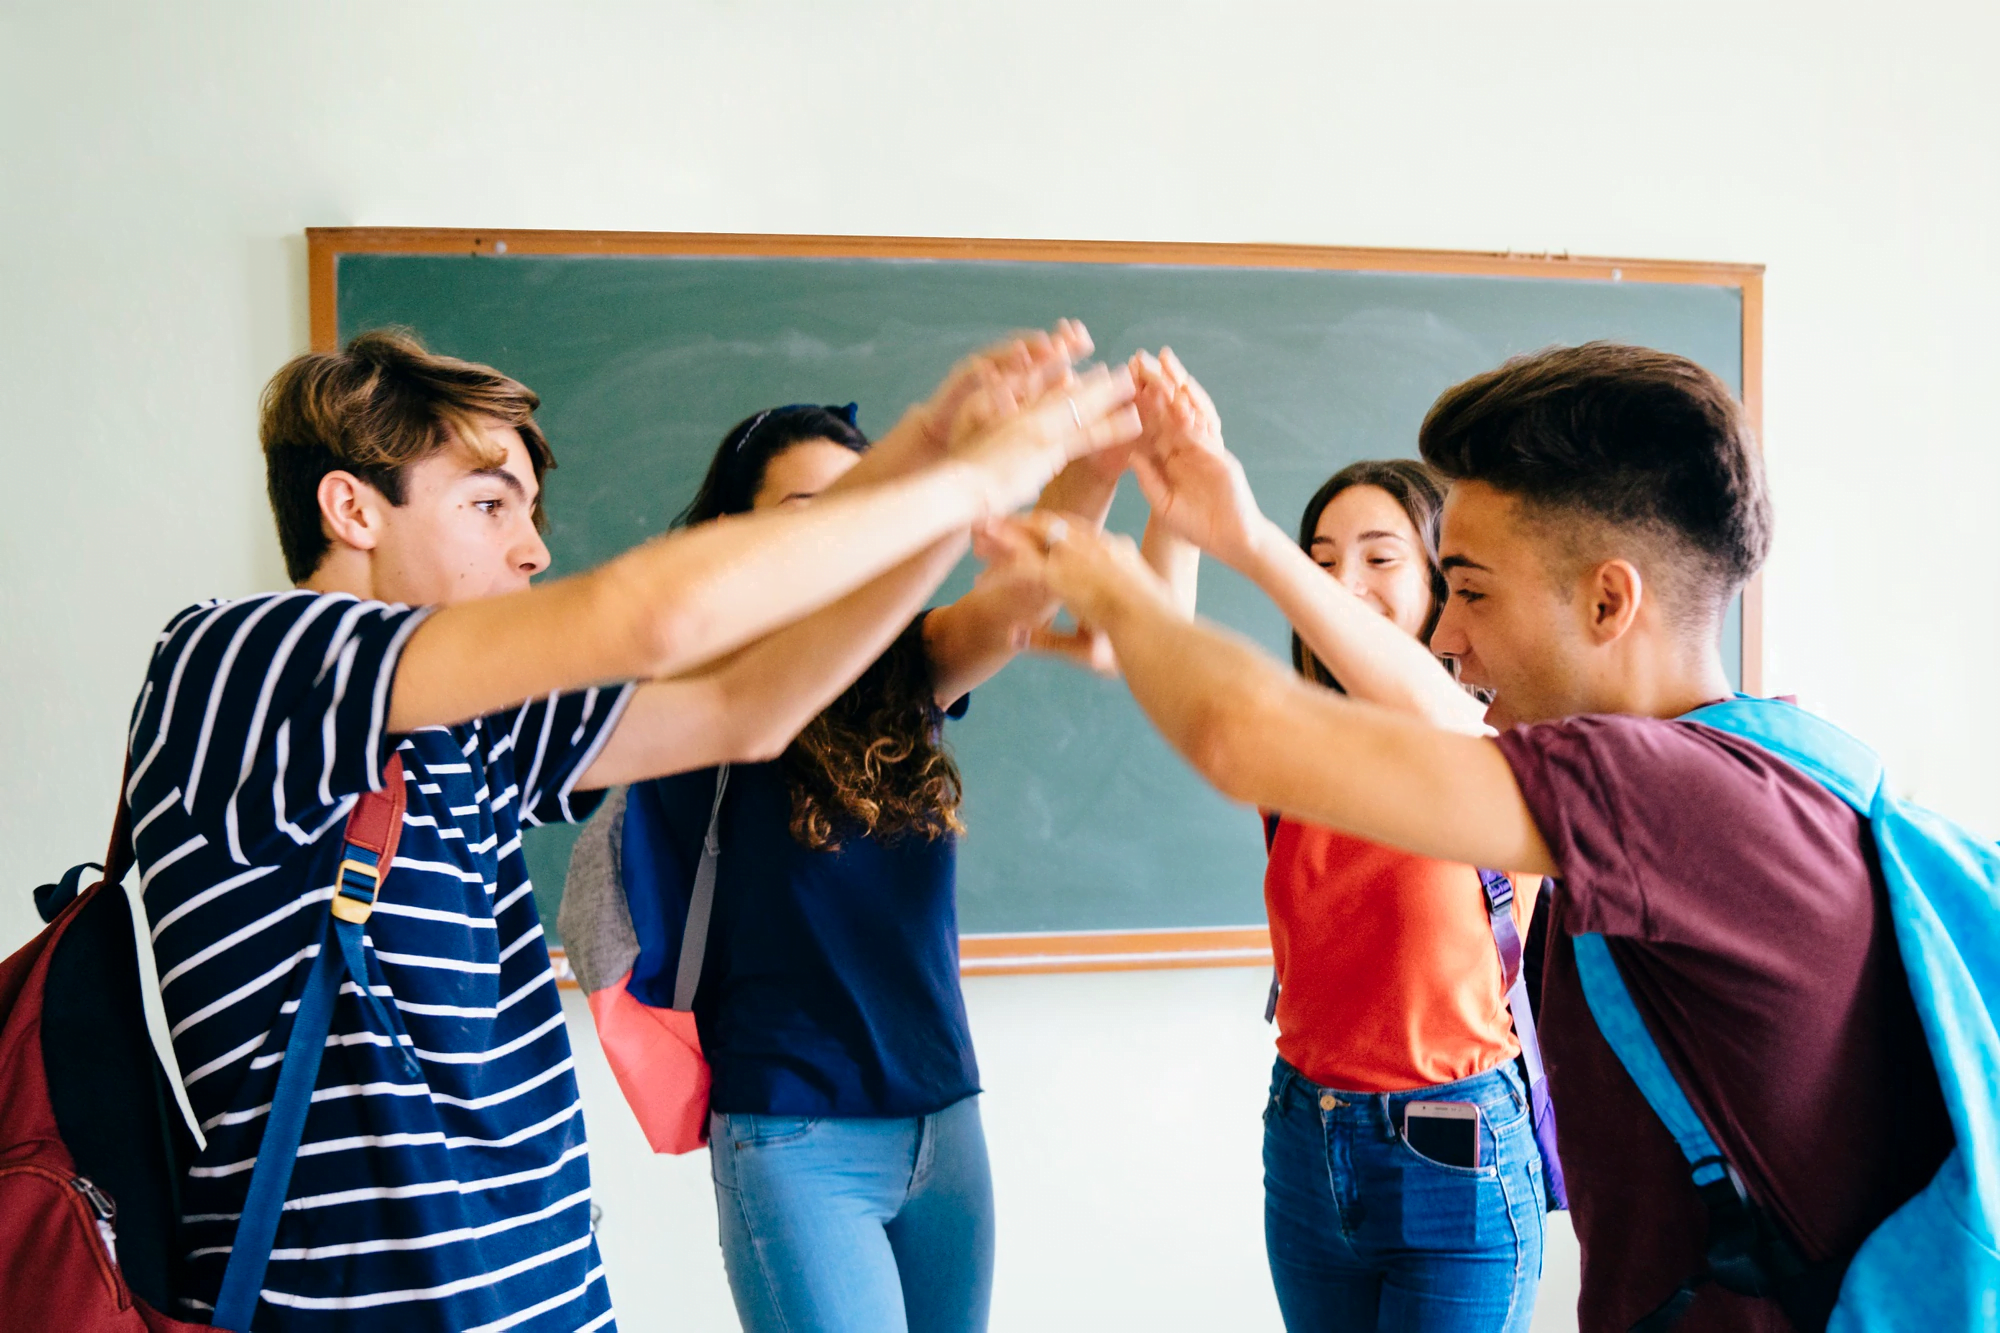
(157, 165)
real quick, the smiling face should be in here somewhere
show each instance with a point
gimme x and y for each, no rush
(802, 471)
(1365, 539)
(1515, 623)
(464, 531)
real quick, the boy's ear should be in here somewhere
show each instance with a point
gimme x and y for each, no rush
(1615, 590)
(351, 511)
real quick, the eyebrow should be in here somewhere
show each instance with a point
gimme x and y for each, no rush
(501, 474)
(1372, 535)
(1451, 562)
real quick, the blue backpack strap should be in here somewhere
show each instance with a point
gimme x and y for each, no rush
(1745, 1251)
(1935, 1262)
(1737, 1236)
(1499, 891)
(373, 829)
(1625, 1031)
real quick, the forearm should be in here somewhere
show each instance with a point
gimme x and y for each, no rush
(1371, 657)
(1081, 490)
(969, 641)
(749, 708)
(1266, 738)
(1177, 562)
(665, 608)
(780, 683)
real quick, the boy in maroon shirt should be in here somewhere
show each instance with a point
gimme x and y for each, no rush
(1607, 503)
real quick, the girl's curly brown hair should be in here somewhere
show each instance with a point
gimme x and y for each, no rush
(874, 763)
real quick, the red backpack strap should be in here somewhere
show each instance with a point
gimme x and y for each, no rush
(374, 827)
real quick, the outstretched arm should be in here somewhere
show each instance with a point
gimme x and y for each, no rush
(749, 706)
(970, 640)
(682, 600)
(1199, 495)
(1267, 738)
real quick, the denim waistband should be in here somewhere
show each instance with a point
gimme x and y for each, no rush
(1498, 1093)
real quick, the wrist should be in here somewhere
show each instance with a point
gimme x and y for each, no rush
(1261, 540)
(965, 488)
(906, 446)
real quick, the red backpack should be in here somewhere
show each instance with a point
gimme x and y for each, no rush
(93, 1142)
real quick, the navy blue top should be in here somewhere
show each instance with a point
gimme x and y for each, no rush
(830, 983)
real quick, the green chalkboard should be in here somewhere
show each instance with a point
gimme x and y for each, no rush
(1079, 817)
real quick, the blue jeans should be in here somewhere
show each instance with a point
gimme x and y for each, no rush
(1365, 1233)
(856, 1226)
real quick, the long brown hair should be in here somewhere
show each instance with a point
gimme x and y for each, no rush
(1420, 491)
(873, 763)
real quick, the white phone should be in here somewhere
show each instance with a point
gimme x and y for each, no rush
(1445, 1132)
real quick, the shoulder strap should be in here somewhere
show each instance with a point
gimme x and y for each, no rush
(1625, 1032)
(1839, 762)
(1271, 821)
(373, 828)
(1746, 1253)
(701, 902)
(118, 859)
(1499, 891)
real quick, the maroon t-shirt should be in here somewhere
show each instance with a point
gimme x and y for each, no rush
(1746, 910)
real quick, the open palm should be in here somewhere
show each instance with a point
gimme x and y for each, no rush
(1201, 496)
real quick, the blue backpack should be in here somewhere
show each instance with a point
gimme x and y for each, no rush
(1934, 1264)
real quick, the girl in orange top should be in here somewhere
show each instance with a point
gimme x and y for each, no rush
(1389, 979)
(1390, 984)
(1403, 1185)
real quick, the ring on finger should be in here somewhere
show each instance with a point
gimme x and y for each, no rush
(1074, 415)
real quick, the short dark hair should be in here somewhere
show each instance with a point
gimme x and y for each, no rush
(1622, 436)
(380, 404)
(1420, 491)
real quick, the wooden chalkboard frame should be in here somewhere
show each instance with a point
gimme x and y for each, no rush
(1075, 951)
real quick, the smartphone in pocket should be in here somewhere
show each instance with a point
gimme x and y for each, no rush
(1445, 1132)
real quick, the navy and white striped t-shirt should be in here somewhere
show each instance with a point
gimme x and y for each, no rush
(456, 1200)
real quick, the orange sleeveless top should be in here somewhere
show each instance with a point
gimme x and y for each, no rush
(1388, 972)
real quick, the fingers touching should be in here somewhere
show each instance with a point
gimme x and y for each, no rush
(997, 381)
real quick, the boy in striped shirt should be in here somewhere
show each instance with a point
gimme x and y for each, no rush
(443, 1181)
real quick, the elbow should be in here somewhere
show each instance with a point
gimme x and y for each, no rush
(660, 635)
(754, 730)
(761, 745)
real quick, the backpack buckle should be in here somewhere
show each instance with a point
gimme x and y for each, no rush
(354, 892)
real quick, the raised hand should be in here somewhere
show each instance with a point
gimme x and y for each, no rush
(1201, 496)
(1176, 410)
(1093, 573)
(1020, 451)
(995, 383)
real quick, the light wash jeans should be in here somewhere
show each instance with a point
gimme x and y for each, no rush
(856, 1226)
(1365, 1233)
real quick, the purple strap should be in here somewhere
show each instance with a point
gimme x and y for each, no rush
(1507, 939)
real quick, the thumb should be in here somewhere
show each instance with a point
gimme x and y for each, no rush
(1083, 647)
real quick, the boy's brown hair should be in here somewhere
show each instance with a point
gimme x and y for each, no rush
(380, 404)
